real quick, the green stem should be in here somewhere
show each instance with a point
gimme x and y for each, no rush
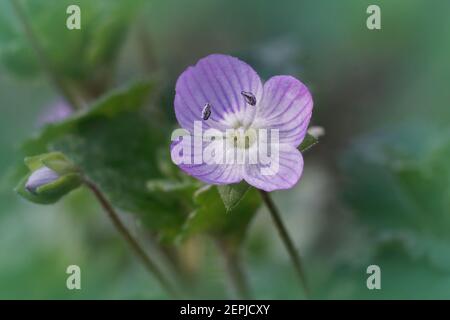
(233, 265)
(148, 263)
(287, 241)
(57, 81)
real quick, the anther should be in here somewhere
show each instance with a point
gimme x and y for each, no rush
(206, 112)
(249, 98)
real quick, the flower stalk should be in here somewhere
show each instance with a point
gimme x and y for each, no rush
(287, 241)
(149, 264)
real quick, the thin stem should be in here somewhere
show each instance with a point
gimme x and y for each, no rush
(233, 265)
(148, 263)
(57, 81)
(287, 241)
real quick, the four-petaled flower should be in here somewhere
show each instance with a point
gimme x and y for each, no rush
(240, 102)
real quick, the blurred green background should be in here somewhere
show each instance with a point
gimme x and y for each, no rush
(375, 190)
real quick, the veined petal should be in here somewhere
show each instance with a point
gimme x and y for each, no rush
(283, 172)
(287, 106)
(207, 171)
(218, 80)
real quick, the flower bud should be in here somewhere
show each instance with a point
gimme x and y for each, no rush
(40, 177)
(51, 177)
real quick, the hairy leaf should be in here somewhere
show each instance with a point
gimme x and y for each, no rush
(232, 194)
(115, 146)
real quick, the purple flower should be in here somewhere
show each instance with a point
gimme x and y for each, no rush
(238, 105)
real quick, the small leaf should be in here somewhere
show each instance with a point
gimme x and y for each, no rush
(213, 218)
(232, 194)
(54, 160)
(308, 142)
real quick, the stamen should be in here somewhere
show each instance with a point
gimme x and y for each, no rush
(206, 112)
(249, 97)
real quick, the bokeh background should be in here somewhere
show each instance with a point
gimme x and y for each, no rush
(375, 190)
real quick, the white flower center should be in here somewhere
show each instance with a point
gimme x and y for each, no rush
(241, 137)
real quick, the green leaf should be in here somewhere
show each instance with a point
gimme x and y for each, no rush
(121, 100)
(213, 218)
(56, 161)
(232, 194)
(308, 142)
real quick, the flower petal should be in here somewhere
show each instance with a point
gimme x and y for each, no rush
(283, 173)
(287, 106)
(205, 171)
(40, 177)
(218, 80)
